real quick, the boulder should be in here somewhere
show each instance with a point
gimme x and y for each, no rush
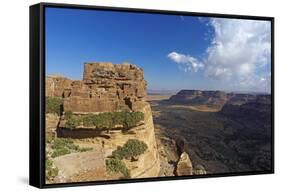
(199, 170)
(184, 165)
(181, 145)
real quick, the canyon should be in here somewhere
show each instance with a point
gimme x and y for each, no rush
(91, 124)
(225, 132)
(105, 88)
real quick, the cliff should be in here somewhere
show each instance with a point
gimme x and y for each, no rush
(148, 164)
(255, 115)
(196, 97)
(105, 88)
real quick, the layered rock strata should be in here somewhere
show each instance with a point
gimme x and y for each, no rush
(106, 87)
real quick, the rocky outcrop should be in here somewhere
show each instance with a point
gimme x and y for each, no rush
(184, 165)
(253, 128)
(255, 116)
(199, 170)
(196, 97)
(75, 164)
(238, 98)
(217, 98)
(52, 121)
(147, 164)
(257, 107)
(57, 85)
(181, 145)
(106, 87)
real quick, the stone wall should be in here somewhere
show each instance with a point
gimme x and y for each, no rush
(105, 87)
(56, 86)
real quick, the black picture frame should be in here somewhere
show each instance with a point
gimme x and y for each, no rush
(37, 93)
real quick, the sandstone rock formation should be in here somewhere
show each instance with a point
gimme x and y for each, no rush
(181, 145)
(199, 170)
(184, 165)
(193, 97)
(105, 87)
(75, 164)
(258, 107)
(148, 164)
(52, 121)
(56, 85)
(108, 87)
(216, 98)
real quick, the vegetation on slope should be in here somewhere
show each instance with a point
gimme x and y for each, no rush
(62, 146)
(107, 120)
(56, 147)
(51, 170)
(116, 165)
(131, 148)
(53, 105)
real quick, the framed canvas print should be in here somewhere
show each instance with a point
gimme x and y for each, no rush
(126, 95)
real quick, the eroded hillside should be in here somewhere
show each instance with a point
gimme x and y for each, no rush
(223, 132)
(101, 127)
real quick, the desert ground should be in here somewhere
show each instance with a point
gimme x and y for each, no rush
(219, 143)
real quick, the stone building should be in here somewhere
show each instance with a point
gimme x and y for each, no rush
(105, 87)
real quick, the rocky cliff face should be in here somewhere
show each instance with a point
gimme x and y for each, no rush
(148, 164)
(235, 137)
(254, 114)
(216, 98)
(57, 85)
(184, 165)
(195, 97)
(106, 87)
(253, 129)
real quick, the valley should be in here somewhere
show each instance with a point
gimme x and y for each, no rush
(106, 127)
(224, 133)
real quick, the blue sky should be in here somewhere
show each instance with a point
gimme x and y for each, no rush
(176, 52)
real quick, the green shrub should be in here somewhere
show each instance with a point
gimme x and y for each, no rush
(87, 120)
(49, 163)
(72, 122)
(132, 147)
(68, 115)
(62, 146)
(53, 105)
(103, 120)
(132, 118)
(60, 151)
(119, 118)
(62, 142)
(116, 165)
(106, 120)
(84, 149)
(50, 171)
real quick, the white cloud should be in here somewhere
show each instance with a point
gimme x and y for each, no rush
(186, 62)
(239, 52)
(238, 46)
